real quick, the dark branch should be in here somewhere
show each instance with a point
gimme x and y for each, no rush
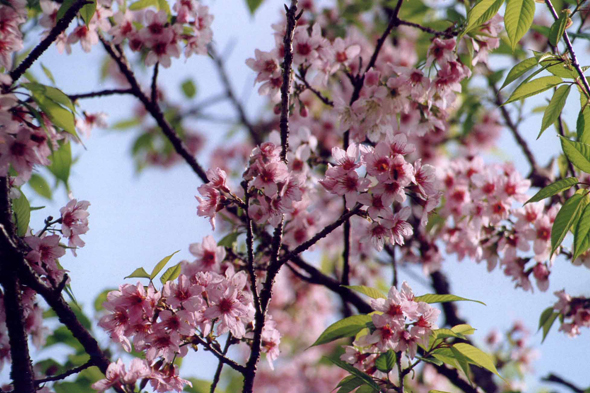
(155, 84)
(66, 374)
(558, 380)
(100, 93)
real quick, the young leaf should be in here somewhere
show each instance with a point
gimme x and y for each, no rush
(583, 126)
(188, 88)
(447, 333)
(555, 107)
(63, 9)
(518, 19)
(558, 28)
(61, 162)
(370, 292)
(554, 189)
(578, 153)
(519, 70)
(481, 13)
(87, 12)
(463, 329)
(346, 327)
(545, 316)
(171, 273)
(22, 212)
(40, 186)
(139, 273)
(141, 4)
(548, 324)
(534, 87)
(349, 383)
(431, 298)
(48, 73)
(477, 356)
(462, 361)
(253, 5)
(581, 234)
(158, 268)
(567, 215)
(229, 240)
(386, 362)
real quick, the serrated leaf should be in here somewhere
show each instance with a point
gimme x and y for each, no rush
(481, 13)
(583, 125)
(253, 5)
(61, 162)
(22, 213)
(577, 153)
(171, 273)
(555, 107)
(554, 189)
(354, 371)
(519, 70)
(386, 361)
(558, 27)
(567, 215)
(581, 234)
(40, 186)
(349, 383)
(432, 298)
(370, 292)
(518, 19)
(347, 327)
(138, 273)
(533, 87)
(188, 88)
(87, 12)
(158, 268)
(477, 356)
(463, 329)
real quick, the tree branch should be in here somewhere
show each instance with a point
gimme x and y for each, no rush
(558, 380)
(99, 93)
(66, 374)
(155, 83)
(59, 28)
(238, 367)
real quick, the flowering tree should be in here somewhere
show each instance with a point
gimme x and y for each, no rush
(371, 156)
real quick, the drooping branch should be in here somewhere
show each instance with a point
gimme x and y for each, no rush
(154, 110)
(59, 28)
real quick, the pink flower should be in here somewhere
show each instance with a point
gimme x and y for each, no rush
(114, 373)
(74, 222)
(209, 255)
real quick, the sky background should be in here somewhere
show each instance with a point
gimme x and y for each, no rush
(135, 220)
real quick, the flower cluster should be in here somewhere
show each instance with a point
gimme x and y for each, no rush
(575, 312)
(401, 323)
(483, 224)
(13, 13)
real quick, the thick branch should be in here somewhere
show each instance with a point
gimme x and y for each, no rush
(59, 28)
(155, 111)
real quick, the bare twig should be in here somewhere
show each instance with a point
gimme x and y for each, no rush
(217, 375)
(238, 367)
(99, 93)
(155, 83)
(558, 380)
(436, 33)
(66, 374)
(319, 95)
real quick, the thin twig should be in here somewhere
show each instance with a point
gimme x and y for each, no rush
(319, 95)
(436, 33)
(99, 93)
(217, 375)
(66, 374)
(238, 367)
(558, 380)
(155, 84)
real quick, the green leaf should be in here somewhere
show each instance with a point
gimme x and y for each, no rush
(447, 333)
(61, 162)
(481, 13)
(139, 273)
(577, 153)
(462, 362)
(229, 240)
(253, 5)
(141, 4)
(367, 389)
(463, 329)
(199, 386)
(52, 93)
(546, 321)
(583, 126)
(349, 383)
(163, 5)
(65, 6)
(22, 213)
(567, 215)
(553, 189)
(431, 298)
(40, 186)
(158, 268)
(101, 298)
(555, 107)
(171, 274)
(477, 356)
(188, 88)
(558, 27)
(432, 360)
(370, 292)
(48, 73)
(545, 315)
(126, 124)
(347, 327)
(87, 12)
(386, 362)
(531, 88)
(518, 19)
(354, 371)
(581, 234)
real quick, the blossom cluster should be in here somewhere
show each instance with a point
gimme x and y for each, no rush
(574, 311)
(483, 222)
(13, 13)
(156, 33)
(208, 299)
(401, 323)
